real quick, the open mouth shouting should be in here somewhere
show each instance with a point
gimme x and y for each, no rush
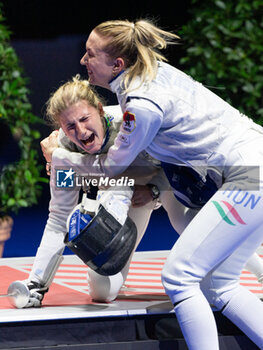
(89, 141)
(84, 126)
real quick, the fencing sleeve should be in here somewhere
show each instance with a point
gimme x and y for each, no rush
(49, 253)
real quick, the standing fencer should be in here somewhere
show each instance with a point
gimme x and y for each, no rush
(199, 137)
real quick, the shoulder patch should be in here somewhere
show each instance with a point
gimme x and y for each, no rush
(124, 139)
(129, 122)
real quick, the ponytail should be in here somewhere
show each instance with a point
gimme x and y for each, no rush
(138, 44)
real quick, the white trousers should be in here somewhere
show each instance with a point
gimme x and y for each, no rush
(206, 261)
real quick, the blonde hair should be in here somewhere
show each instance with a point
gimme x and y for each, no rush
(68, 94)
(138, 43)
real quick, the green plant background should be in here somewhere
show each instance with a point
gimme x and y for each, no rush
(20, 182)
(224, 51)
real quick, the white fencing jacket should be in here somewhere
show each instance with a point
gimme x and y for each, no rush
(177, 121)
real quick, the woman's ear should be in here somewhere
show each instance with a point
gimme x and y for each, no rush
(118, 66)
(100, 108)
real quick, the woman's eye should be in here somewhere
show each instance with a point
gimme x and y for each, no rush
(90, 54)
(83, 119)
(71, 126)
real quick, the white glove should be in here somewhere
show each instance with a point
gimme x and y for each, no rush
(116, 201)
(37, 292)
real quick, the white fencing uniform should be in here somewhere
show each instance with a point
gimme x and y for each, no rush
(200, 130)
(191, 130)
(49, 254)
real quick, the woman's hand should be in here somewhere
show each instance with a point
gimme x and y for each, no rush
(49, 144)
(141, 196)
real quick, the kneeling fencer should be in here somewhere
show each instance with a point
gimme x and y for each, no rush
(86, 130)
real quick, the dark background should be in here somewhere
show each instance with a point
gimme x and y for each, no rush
(49, 38)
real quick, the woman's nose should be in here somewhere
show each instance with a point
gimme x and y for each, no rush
(81, 131)
(84, 60)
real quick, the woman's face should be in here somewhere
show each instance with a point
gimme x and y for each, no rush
(99, 64)
(83, 125)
